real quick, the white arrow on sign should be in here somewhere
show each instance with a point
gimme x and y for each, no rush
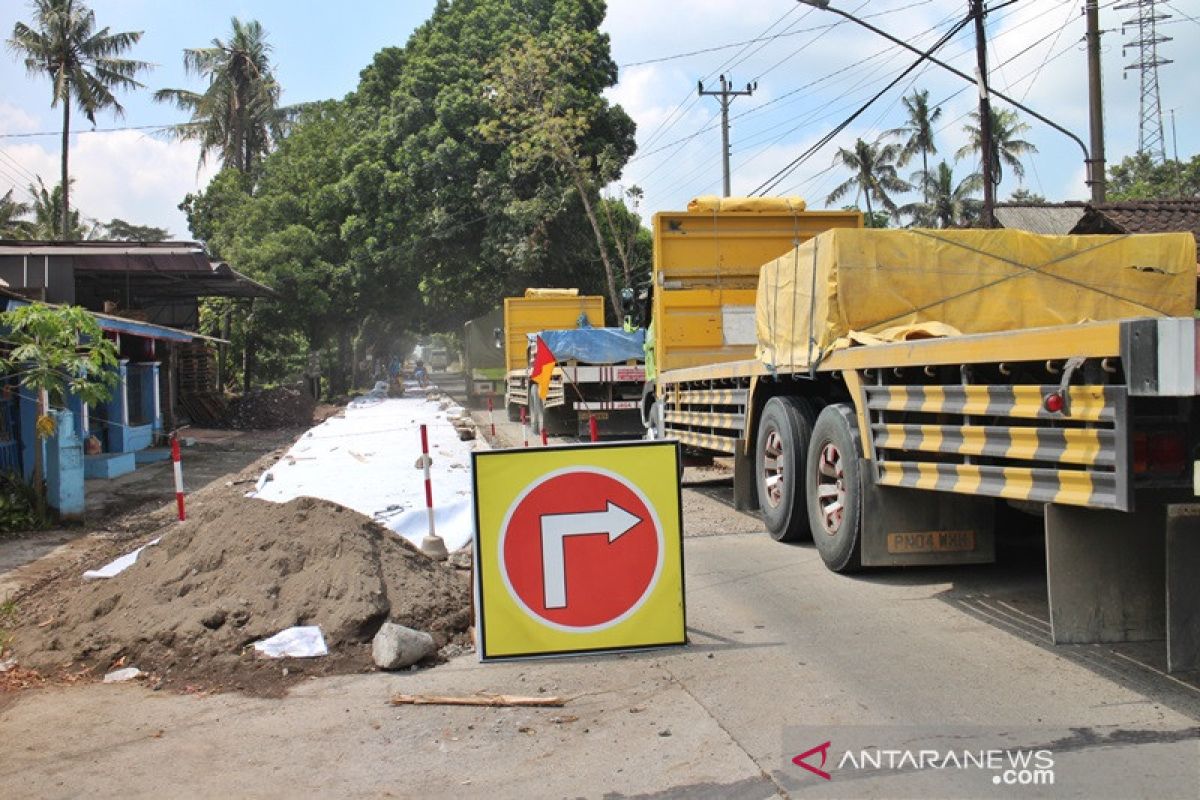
(614, 521)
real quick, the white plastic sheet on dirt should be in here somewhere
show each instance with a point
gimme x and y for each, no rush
(118, 565)
(302, 641)
(368, 460)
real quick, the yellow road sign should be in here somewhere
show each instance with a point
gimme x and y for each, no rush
(578, 549)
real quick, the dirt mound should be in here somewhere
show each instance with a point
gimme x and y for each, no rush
(241, 571)
(279, 407)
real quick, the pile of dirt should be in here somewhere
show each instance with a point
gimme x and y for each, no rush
(242, 570)
(278, 407)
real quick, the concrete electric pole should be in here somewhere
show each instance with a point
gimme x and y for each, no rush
(725, 96)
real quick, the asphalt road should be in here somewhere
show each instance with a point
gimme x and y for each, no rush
(781, 653)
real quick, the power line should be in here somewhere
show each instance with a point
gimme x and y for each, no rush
(99, 130)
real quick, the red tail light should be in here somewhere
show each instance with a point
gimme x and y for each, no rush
(1161, 453)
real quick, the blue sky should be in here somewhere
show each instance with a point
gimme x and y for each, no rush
(810, 76)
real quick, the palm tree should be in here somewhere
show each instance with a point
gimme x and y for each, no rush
(946, 205)
(238, 116)
(918, 129)
(1006, 147)
(12, 226)
(82, 64)
(874, 174)
(47, 211)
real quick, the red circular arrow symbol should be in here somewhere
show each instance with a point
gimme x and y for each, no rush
(581, 549)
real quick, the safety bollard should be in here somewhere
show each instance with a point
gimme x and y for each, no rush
(491, 416)
(432, 545)
(524, 427)
(175, 460)
(593, 428)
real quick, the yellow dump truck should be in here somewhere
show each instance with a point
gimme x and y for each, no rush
(899, 384)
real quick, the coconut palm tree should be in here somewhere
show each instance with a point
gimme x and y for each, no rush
(238, 116)
(874, 174)
(1006, 147)
(946, 205)
(47, 209)
(917, 131)
(12, 224)
(82, 63)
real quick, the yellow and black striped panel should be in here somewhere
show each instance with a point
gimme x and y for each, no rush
(1093, 447)
(720, 444)
(1086, 403)
(720, 397)
(704, 419)
(1068, 487)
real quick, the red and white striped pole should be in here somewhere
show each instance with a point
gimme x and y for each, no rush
(432, 545)
(491, 417)
(545, 438)
(524, 427)
(593, 428)
(178, 476)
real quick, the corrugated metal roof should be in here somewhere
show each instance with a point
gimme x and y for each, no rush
(1056, 219)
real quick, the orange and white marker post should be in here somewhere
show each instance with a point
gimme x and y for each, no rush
(432, 545)
(178, 476)
(524, 427)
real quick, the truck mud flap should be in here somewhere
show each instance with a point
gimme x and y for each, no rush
(912, 527)
(1126, 577)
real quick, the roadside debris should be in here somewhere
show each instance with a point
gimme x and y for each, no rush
(280, 407)
(238, 571)
(495, 700)
(122, 675)
(397, 647)
(301, 641)
(118, 565)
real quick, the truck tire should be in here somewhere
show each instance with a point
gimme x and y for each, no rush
(779, 457)
(514, 412)
(834, 485)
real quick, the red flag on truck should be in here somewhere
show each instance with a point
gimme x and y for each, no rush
(543, 368)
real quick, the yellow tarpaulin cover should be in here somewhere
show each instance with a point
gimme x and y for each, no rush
(551, 292)
(711, 203)
(890, 285)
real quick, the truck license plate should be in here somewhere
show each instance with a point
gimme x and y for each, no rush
(931, 542)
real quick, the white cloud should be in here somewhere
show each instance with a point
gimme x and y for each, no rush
(17, 120)
(125, 174)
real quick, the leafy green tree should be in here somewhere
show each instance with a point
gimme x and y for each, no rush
(947, 205)
(12, 213)
(1007, 148)
(873, 174)
(83, 66)
(917, 130)
(56, 351)
(47, 211)
(1140, 177)
(545, 120)
(1023, 195)
(238, 117)
(119, 230)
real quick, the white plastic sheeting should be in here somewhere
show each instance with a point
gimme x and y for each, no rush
(302, 641)
(368, 460)
(118, 565)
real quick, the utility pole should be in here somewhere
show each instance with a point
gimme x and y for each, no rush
(985, 116)
(1097, 179)
(725, 96)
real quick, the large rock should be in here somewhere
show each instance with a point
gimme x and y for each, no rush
(397, 647)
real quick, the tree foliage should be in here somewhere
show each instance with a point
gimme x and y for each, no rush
(412, 206)
(917, 131)
(873, 174)
(13, 224)
(238, 116)
(83, 64)
(947, 204)
(1140, 177)
(1007, 147)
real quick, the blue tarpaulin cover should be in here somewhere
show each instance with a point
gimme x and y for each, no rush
(596, 345)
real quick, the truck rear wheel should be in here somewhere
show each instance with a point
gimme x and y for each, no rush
(514, 412)
(779, 457)
(834, 485)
